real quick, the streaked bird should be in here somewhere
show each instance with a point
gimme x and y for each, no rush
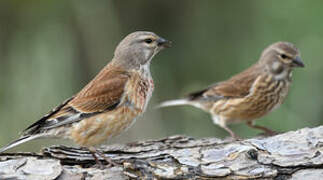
(110, 103)
(250, 94)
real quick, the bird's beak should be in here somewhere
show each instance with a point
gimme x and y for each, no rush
(164, 43)
(297, 62)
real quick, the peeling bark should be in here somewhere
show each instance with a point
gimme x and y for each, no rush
(292, 155)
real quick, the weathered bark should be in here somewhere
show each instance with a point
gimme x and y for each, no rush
(292, 155)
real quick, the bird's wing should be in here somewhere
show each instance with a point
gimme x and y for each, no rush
(236, 87)
(36, 125)
(102, 94)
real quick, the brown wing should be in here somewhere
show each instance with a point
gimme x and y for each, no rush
(103, 93)
(238, 86)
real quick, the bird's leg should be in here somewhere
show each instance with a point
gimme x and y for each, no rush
(96, 152)
(98, 162)
(221, 123)
(267, 131)
(232, 134)
(107, 159)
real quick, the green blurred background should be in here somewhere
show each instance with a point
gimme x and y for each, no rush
(50, 49)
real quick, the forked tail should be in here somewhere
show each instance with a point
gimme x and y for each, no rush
(19, 141)
(176, 102)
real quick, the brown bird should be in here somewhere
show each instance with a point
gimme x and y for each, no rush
(110, 103)
(250, 94)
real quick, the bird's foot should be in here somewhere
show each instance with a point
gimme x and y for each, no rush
(109, 161)
(233, 137)
(269, 133)
(99, 165)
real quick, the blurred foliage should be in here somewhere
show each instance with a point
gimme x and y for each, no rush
(50, 49)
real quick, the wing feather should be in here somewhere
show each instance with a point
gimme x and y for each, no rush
(236, 87)
(103, 93)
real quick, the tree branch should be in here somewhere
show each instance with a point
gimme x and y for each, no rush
(292, 155)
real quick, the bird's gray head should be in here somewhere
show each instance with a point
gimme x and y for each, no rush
(280, 58)
(138, 48)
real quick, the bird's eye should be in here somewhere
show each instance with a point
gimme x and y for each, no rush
(283, 56)
(148, 41)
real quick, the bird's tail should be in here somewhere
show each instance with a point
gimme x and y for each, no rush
(176, 102)
(19, 141)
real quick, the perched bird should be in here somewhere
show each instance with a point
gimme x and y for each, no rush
(250, 94)
(110, 103)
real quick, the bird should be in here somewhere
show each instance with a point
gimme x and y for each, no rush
(251, 94)
(107, 105)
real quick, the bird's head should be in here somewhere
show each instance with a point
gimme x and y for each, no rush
(280, 58)
(138, 48)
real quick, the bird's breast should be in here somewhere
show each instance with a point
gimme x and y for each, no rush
(265, 95)
(140, 91)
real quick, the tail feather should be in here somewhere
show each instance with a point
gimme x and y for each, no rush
(176, 102)
(19, 141)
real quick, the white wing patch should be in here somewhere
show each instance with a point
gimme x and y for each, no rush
(68, 120)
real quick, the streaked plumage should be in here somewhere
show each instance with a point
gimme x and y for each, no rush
(250, 94)
(110, 103)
